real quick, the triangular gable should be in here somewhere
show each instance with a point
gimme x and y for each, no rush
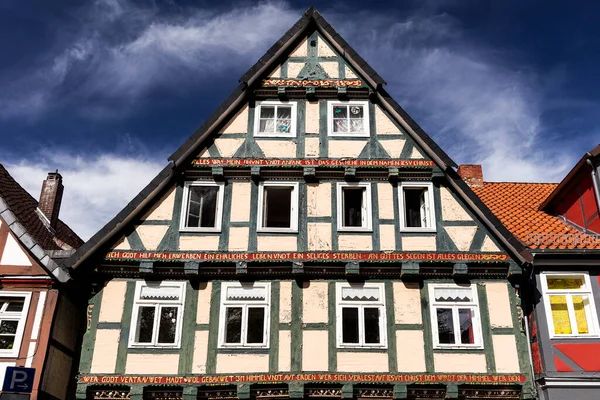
(14, 258)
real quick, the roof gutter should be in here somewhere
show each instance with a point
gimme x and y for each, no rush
(596, 182)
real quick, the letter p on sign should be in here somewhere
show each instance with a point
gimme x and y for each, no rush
(18, 380)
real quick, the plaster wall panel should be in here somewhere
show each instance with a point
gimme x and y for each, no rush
(55, 381)
(387, 237)
(277, 243)
(276, 73)
(416, 154)
(383, 123)
(238, 239)
(499, 305)
(239, 123)
(418, 243)
(242, 363)
(349, 73)
(203, 308)
(452, 362)
(506, 357)
(407, 303)
(319, 236)
(319, 199)
(228, 147)
(278, 148)
(155, 364)
(314, 302)
(385, 194)
(240, 197)
(301, 50)
(355, 242)
(315, 350)
(462, 236)
(200, 352)
(345, 148)
(410, 349)
(205, 242)
(393, 147)
(106, 346)
(123, 245)
(294, 69)
(311, 147)
(362, 362)
(323, 48)
(113, 301)
(312, 117)
(164, 210)
(331, 68)
(13, 254)
(452, 210)
(285, 351)
(489, 245)
(204, 153)
(151, 235)
(285, 301)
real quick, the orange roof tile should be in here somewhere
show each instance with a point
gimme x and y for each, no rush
(516, 206)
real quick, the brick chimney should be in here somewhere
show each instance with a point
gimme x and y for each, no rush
(472, 174)
(51, 197)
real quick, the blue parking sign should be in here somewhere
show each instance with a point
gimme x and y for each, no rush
(18, 380)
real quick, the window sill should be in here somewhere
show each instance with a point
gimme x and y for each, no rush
(277, 230)
(570, 337)
(157, 347)
(357, 229)
(350, 135)
(458, 347)
(382, 348)
(418, 230)
(274, 135)
(243, 349)
(200, 230)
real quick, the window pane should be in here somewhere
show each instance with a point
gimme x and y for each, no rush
(267, 125)
(466, 326)
(340, 125)
(353, 206)
(15, 305)
(145, 324)
(202, 208)
(445, 326)
(256, 325)
(233, 325)
(8, 327)
(284, 125)
(581, 305)
(566, 283)
(284, 112)
(6, 342)
(267, 112)
(349, 325)
(277, 207)
(560, 315)
(356, 112)
(372, 325)
(340, 111)
(357, 125)
(167, 325)
(412, 205)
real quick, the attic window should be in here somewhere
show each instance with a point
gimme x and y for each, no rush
(202, 209)
(361, 315)
(275, 119)
(417, 207)
(348, 118)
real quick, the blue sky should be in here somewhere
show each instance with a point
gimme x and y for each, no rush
(106, 90)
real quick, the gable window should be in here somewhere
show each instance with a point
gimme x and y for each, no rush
(13, 314)
(569, 304)
(278, 207)
(275, 119)
(416, 207)
(157, 314)
(244, 318)
(354, 206)
(202, 209)
(348, 118)
(455, 316)
(361, 320)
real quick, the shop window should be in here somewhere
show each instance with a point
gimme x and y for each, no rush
(354, 206)
(275, 119)
(13, 315)
(361, 320)
(202, 209)
(278, 207)
(348, 118)
(417, 207)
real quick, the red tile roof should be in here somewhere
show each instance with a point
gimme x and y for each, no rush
(517, 206)
(23, 205)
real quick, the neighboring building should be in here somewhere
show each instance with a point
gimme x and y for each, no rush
(38, 321)
(308, 241)
(561, 226)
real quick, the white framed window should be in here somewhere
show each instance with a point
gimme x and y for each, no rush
(354, 210)
(348, 118)
(569, 304)
(13, 316)
(277, 207)
(245, 314)
(157, 314)
(361, 317)
(417, 208)
(455, 318)
(202, 208)
(275, 119)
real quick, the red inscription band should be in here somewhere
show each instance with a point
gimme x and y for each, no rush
(302, 162)
(306, 256)
(279, 378)
(312, 83)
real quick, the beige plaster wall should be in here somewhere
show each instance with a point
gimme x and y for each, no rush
(315, 350)
(355, 242)
(242, 363)
(314, 302)
(164, 209)
(387, 237)
(301, 50)
(276, 73)
(106, 346)
(238, 239)
(151, 235)
(277, 243)
(349, 73)
(462, 236)
(319, 236)
(323, 48)
(113, 301)
(452, 362)
(345, 148)
(452, 210)
(285, 351)
(506, 357)
(239, 123)
(294, 69)
(55, 381)
(415, 154)
(489, 245)
(318, 196)
(203, 307)
(410, 349)
(312, 117)
(385, 195)
(499, 304)
(278, 148)
(418, 243)
(240, 201)
(407, 303)
(123, 245)
(383, 123)
(362, 362)
(311, 147)
(198, 243)
(155, 364)
(331, 68)
(285, 301)
(393, 147)
(228, 147)
(200, 352)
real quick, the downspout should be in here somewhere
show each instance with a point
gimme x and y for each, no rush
(596, 182)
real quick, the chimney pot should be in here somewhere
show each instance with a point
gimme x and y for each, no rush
(472, 174)
(51, 197)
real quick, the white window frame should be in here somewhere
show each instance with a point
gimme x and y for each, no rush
(186, 202)
(292, 104)
(475, 318)
(430, 206)
(293, 211)
(137, 303)
(592, 324)
(244, 305)
(361, 324)
(367, 209)
(20, 316)
(362, 103)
